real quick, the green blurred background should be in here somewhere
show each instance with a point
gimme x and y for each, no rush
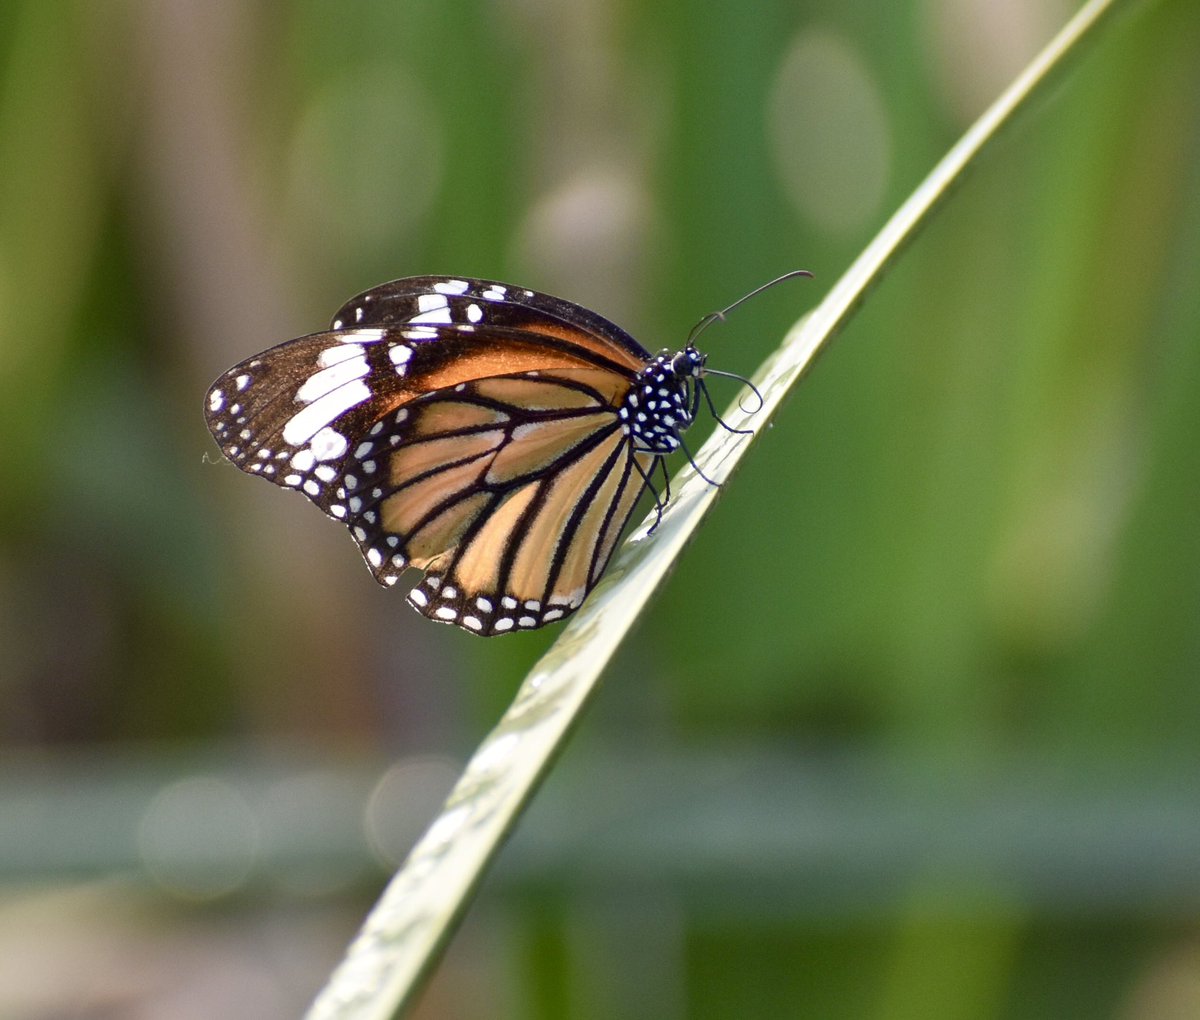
(911, 731)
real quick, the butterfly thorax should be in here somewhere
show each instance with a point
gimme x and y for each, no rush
(662, 401)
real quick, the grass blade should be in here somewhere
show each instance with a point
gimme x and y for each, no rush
(403, 935)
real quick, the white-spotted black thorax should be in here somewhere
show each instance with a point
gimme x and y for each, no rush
(662, 401)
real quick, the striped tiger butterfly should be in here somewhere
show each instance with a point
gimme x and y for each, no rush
(494, 437)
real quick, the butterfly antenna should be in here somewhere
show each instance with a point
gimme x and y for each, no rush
(712, 317)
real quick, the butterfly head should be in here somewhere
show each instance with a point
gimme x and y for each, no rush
(688, 363)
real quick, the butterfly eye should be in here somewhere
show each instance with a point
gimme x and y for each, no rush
(687, 363)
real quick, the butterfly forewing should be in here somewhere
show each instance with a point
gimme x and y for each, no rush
(465, 427)
(440, 301)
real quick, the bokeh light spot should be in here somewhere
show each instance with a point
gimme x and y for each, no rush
(404, 802)
(198, 838)
(367, 159)
(829, 135)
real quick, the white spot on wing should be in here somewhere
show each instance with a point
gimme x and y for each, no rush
(328, 444)
(242, 381)
(303, 460)
(451, 287)
(317, 415)
(432, 308)
(400, 356)
(342, 352)
(364, 336)
(329, 379)
(216, 400)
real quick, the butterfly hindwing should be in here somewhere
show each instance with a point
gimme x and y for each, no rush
(429, 478)
(529, 565)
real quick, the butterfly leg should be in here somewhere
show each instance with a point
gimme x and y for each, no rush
(660, 503)
(695, 466)
(659, 500)
(712, 407)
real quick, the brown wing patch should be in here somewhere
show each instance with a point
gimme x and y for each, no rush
(585, 557)
(579, 338)
(529, 577)
(404, 511)
(473, 357)
(478, 569)
(446, 530)
(609, 387)
(413, 459)
(535, 446)
(535, 394)
(631, 488)
(454, 415)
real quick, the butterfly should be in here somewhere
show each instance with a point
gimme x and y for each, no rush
(494, 437)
